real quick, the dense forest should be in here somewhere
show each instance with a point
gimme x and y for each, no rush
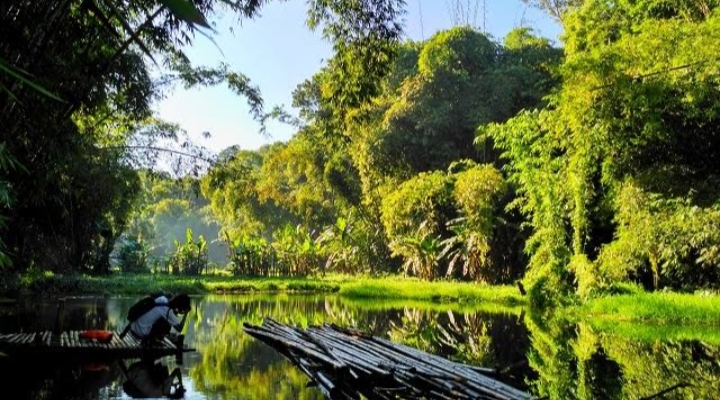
(576, 168)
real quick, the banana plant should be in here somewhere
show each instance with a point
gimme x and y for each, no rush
(190, 257)
(421, 253)
(467, 247)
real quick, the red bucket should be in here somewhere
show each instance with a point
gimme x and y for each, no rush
(100, 336)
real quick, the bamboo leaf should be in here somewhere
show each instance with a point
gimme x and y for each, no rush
(108, 25)
(212, 41)
(9, 93)
(186, 11)
(18, 74)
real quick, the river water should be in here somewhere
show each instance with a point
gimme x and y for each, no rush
(546, 356)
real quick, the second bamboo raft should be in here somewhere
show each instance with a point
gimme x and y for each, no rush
(345, 364)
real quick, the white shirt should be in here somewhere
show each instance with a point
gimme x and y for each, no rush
(143, 325)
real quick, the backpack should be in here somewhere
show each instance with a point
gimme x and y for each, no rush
(142, 306)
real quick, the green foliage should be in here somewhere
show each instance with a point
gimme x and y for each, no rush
(292, 176)
(421, 252)
(669, 238)
(476, 194)
(354, 158)
(342, 177)
(190, 258)
(612, 177)
(163, 212)
(456, 51)
(539, 176)
(463, 80)
(394, 288)
(76, 188)
(341, 243)
(542, 295)
(280, 209)
(231, 188)
(297, 251)
(251, 256)
(424, 200)
(132, 256)
(24, 78)
(365, 37)
(413, 217)
(77, 185)
(583, 362)
(657, 308)
(7, 162)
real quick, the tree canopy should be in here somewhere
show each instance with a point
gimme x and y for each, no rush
(77, 80)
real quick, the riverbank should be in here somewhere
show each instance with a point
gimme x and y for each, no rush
(388, 288)
(657, 307)
(638, 307)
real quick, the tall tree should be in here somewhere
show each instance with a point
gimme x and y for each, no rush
(76, 84)
(618, 174)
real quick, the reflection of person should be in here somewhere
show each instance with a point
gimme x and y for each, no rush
(159, 320)
(147, 379)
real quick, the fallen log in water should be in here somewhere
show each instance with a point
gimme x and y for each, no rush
(347, 364)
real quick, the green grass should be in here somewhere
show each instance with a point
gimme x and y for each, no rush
(391, 292)
(357, 288)
(458, 307)
(649, 332)
(658, 308)
(406, 288)
(56, 285)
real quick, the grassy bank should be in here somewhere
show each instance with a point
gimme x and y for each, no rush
(658, 308)
(650, 332)
(357, 288)
(463, 307)
(411, 289)
(142, 284)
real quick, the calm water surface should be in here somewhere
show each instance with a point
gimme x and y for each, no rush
(558, 360)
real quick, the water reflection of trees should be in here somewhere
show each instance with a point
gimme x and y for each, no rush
(29, 314)
(567, 361)
(233, 364)
(489, 340)
(578, 362)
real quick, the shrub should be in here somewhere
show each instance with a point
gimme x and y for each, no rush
(132, 256)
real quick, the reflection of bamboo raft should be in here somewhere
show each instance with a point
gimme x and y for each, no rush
(70, 344)
(346, 363)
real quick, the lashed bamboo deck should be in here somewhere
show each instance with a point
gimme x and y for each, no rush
(345, 364)
(69, 344)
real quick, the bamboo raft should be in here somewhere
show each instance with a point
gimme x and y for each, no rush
(69, 344)
(345, 364)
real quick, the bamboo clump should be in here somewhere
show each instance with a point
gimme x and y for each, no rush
(346, 364)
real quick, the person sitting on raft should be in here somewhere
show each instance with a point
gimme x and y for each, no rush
(157, 322)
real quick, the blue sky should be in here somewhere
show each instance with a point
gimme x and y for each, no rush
(277, 52)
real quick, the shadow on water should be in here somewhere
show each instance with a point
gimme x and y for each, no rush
(548, 358)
